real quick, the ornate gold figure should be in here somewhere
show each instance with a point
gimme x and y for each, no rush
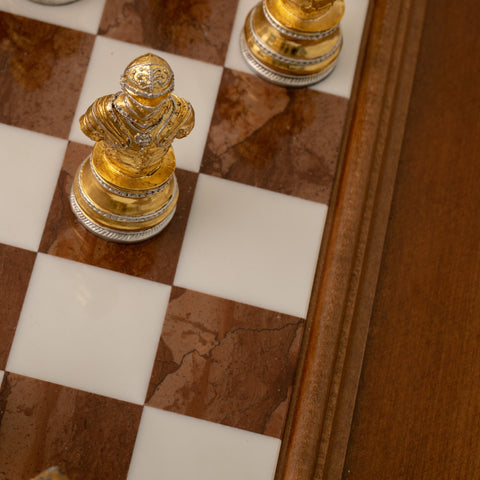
(293, 43)
(126, 190)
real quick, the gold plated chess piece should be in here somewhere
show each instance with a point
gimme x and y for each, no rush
(126, 190)
(293, 43)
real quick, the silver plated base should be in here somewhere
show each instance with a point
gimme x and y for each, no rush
(53, 2)
(284, 80)
(113, 235)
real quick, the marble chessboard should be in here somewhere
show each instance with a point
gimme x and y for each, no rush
(173, 358)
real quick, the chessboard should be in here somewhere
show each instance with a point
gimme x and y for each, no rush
(174, 358)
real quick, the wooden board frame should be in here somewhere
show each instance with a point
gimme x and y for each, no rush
(318, 425)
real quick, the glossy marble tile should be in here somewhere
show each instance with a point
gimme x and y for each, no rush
(83, 15)
(225, 362)
(251, 245)
(15, 269)
(89, 328)
(197, 29)
(30, 167)
(280, 139)
(234, 58)
(195, 81)
(88, 436)
(176, 447)
(341, 80)
(155, 259)
(43, 67)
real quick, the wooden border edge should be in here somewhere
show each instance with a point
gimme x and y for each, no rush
(318, 425)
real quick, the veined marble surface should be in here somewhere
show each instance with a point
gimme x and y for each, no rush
(174, 357)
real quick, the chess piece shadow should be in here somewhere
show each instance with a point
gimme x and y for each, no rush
(293, 43)
(126, 190)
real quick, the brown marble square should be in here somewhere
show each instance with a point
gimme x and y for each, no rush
(15, 270)
(155, 259)
(88, 436)
(198, 29)
(43, 67)
(225, 362)
(285, 140)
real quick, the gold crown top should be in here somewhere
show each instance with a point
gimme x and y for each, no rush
(148, 76)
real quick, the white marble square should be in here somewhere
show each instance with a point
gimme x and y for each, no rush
(195, 81)
(176, 447)
(341, 79)
(234, 58)
(89, 328)
(251, 245)
(30, 165)
(84, 15)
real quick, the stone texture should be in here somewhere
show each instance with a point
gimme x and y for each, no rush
(88, 436)
(15, 269)
(198, 29)
(155, 259)
(279, 139)
(43, 67)
(226, 362)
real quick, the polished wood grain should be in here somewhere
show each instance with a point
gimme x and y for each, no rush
(318, 427)
(418, 408)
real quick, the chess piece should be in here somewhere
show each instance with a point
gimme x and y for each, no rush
(293, 43)
(126, 190)
(53, 473)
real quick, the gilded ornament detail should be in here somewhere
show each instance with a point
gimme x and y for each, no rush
(293, 43)
(126, 190)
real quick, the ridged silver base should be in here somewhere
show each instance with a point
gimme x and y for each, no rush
(284, 80)
(113, 235)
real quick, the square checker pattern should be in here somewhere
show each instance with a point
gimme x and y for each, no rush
(176, 447)
(172, 358)
(236, 361)
(251, 245)
(89, 329)
(33, 160)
